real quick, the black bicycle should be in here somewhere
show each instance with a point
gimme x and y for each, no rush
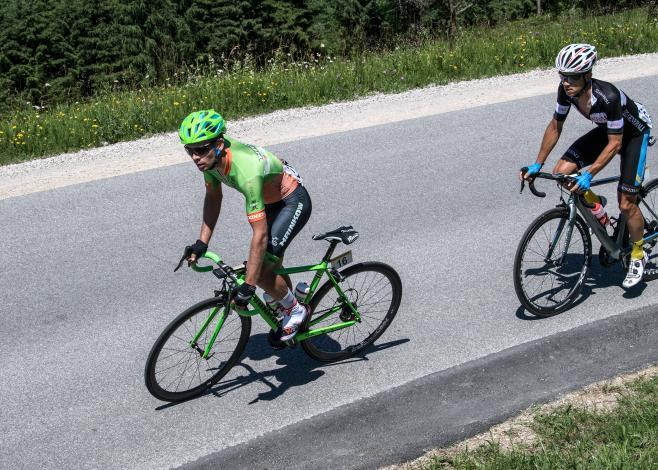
(555, 252)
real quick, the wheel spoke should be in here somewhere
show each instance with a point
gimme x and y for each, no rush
(376, 299)
(548, 285)
(179, 372)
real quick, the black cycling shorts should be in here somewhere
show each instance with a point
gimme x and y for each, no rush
(584, 151)
(285, 219)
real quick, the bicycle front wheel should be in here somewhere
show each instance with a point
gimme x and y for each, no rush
(552, 262)
(176, 369)
(375, 290)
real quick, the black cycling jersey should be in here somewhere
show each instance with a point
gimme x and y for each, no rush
(610, 108)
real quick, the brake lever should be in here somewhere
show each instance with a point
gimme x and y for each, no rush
(180, 263)
(524, 170)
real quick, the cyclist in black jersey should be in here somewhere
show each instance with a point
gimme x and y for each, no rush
(622, 126)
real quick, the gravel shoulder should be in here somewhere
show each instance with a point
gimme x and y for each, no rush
(602, 396)
(296, 124)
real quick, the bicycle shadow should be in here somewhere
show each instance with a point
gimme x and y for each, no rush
(297, 369)
(598, 277)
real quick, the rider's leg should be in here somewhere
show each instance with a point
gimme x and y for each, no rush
(632, 165)
(276, 285)
(567, 167)
(634, 221)
(286, 219)
(583, 152)
(635, 224)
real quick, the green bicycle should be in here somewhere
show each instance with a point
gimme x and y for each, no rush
(348, 313)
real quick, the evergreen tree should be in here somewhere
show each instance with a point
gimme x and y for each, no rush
(35, 57)
(283, 26)
(95, 35)
(233, 21)
(58, 50)
(155, 42)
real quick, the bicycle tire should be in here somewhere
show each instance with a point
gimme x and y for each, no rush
(163, 392)
(323, 347)
(529, 300)
(650, 199)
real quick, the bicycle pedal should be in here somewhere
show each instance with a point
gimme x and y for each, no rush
(650, 274)
(274, 339)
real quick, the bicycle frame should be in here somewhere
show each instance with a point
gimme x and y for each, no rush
(259, 308)
(613, 247)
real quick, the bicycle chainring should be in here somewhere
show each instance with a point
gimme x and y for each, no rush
(604, 258)
(274, 339)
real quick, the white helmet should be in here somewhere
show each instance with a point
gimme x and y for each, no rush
(576, 58)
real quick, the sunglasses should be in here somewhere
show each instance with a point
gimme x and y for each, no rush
(571, 79)
(200, 151)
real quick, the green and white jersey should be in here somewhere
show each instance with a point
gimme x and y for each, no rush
(257, 173)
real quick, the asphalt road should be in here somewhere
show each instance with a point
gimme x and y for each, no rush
(87, 285)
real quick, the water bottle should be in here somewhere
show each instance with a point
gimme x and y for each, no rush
(301, 291)
(599, 212)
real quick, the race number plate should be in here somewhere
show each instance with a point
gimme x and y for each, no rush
(342, 260)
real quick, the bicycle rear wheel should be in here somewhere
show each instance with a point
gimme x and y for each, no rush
(175, 369)
(550, 267)
(375, 290)
(649, 207)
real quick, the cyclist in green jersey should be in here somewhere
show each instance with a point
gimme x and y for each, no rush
(277, 207)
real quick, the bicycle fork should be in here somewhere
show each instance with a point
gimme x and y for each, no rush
(570, 222)
(223, 311)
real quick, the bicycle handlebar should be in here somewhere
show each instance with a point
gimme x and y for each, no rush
(559, 177)
(208, 255)
(531, 184)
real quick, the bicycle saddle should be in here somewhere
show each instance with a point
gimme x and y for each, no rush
(344, 233)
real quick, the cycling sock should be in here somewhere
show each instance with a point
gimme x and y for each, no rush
(292, 320)
(591, 198)
(638, 252)
(288, 300)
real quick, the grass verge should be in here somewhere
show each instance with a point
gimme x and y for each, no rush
(480, 52)
(612, 424)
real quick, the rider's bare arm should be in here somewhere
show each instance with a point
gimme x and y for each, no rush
(257, 250)
(551, 136)
(610, 150)
(212, 204)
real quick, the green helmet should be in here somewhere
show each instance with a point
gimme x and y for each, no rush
(201, 126)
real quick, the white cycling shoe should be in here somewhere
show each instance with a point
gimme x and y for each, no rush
(635, 272)
(293, 319)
